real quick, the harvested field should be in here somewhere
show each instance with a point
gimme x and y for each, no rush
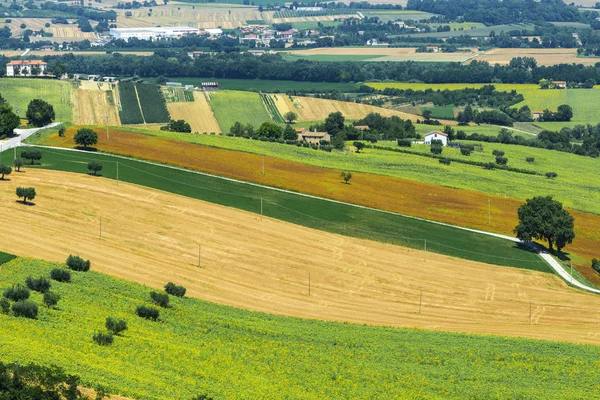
(197, 113)
(313, 109)
(385, 54)
(458, 207)
(150, 236)
(90, 107)
(61, 31)
(542, 56)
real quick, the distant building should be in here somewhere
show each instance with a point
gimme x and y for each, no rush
(210, 86)
(432, 49)
(287, 34)
(309, 8)
(152, 33)
(436, 135)
(47, 48)
(558, 85)
(173, 84)
(537, 115)
(216, 32)
(313, 137)
(195, 54)
(24, 67)
(362, 127)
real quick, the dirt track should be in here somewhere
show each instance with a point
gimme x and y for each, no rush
(152, 237)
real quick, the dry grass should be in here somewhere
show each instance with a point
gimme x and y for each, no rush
(359, 51)
(90, 107)
(542, 56)
(454, 206)
(152, 237)
(198, 114)
(313, 109)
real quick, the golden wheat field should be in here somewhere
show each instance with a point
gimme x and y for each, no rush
(92, 105)
(197, 113)
(542, 56)
(150, 237)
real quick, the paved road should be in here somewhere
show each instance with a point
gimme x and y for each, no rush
(23, 134)
(556, 266)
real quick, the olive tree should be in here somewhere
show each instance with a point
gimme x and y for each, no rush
(85, 137)
(4, 170)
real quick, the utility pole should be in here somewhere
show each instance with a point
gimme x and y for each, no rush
(100, 227)
(107, 127)
(199, 252)
(263, 162)
(420, 301)
(261, 208)
(489, 212)
(309, 283)
(425, 251)
(529, 313)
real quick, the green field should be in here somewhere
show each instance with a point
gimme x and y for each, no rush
(311, 212)
(232, 106)
(130, 112)
(272, 109)
(20, 91)
(199, 347)
(153, 103)
(5, 257)
(393, 15)
(266, 85)
(483, 31)
(313, 24)
(443, 112)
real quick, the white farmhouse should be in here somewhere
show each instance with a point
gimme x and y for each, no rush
(24, 67)
(152, 33)
(436, 135)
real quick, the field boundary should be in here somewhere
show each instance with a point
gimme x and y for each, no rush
(137, 96)
(555, 266)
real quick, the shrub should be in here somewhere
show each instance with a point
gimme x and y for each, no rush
(103, 339)
(51, 299)
(596, 265)
(529, 159)
(161, 299)
(498, 153)
(436, 149)
(25, 308)
(147, 312)
(95, 167)
(41, 284)
(465, 151)
(77, 263)
(501, 160)
(404, 142)
(60, 275)
(116, 326)
(17, 292)
(489, 165)
(175, 290)
(551, 175)
(4, 306)
(445, 161)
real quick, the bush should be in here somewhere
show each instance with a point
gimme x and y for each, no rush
(116, 326)
(445, 161)
(498, 153)
(465, 151)
(77, 263)
(530, 159)
(175, 290)
(489, 165)
(551, 175)
(41, 284)
(436, 149)
(26, 309)
(596, 265)
(17, 292)
(404, 142)
(501, 160)
(147, 312)
(60, 275)
(161, 299)
(51, 299)
(104, 339)
(4, 306)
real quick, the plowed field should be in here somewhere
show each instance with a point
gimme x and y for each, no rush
(152, 237)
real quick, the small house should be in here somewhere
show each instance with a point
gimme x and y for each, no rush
(559, 85)
(432, 49)
(537, 114)
(436, 135)
(195, 54)
(25, 68)
(210, 86)
(313, 137)
(362, 127)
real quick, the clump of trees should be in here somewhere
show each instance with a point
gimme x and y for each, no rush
(551, 175)
(175, 290)
(85, 137)
(25, 309)
(103, 339)
(77, 263)
(160, 299)
(177, 126)
(40, 112)
(544, 218)
(60, 275)
(596, 265)
(9, 121)
(145, 312)
(31, 155)
(41, 284)
(116, 326)
(16, 292)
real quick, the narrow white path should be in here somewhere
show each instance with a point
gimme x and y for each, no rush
(23, 134)
(556, 266)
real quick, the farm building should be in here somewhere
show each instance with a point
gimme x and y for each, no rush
(195, 54)
(558, 85)
(313, 137)
(537, 114)
(210, 85)
(433, 49)
(152, 33)
(216, 32)
(436, 135)
(24, 67)
(362, 127)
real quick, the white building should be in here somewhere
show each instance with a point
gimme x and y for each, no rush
(24, 67)
(436, 135)
(152, 33)
(214, 32)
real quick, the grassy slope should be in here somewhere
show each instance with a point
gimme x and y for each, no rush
(314, 213)
(572, 187)
(5, 257)
(20, 91)
(203, 348)
(233, 106)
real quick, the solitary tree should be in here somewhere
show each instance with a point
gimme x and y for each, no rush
(543, 218)
(346, 176)
(26, 193)
(359, 146)
(61, 131)
(31, 155)
(18, 163)
(290, 116)
(95, 167)
(5, 170)
(85, 137)
(8, 119)
(39, 112)
(427, 114)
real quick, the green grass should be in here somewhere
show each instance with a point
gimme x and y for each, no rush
(130, 112)
(266, 85)
(444, 112)
(313, 24)
(483, 31)
(199, 347)
(153, 103)
(20, 91)
(311, 212)
(487, 130)
(5, 257)
(232, 106)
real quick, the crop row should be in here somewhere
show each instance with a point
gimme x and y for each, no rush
(130, 112)
(301, 14)
(272, 108)
(153, 103)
